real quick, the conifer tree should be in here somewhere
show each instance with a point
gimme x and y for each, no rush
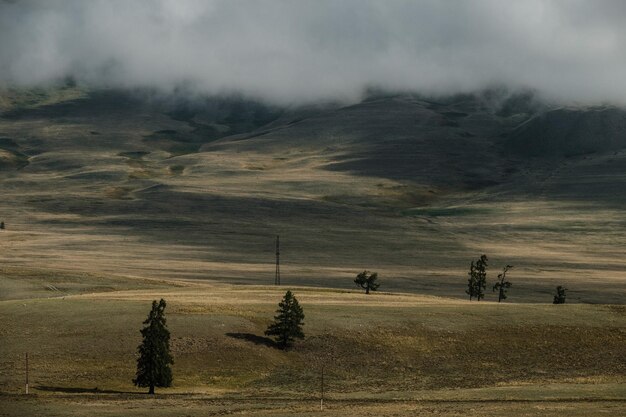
(287, 325)
(153, 364)
(559, 298)
(477, 281)
(367, 281)
(502, 286)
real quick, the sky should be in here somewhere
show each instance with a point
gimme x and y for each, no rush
(296, 51)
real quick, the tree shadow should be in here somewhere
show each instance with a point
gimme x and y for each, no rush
(257, 340)
(78, 390)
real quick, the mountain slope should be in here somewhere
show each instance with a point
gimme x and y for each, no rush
(400, 138)
(133, 184)
(567, 132)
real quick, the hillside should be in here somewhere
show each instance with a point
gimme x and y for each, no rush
(135, 184)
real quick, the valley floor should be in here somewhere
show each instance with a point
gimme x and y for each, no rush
(190, 405)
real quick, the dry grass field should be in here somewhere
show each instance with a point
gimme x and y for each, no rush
(111, 201)
(383, 354)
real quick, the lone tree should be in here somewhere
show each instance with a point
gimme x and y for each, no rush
(502, 286)
(477, 281)
(559, 297)
(367, 281)
(153, 364)
(1, 225)
(287, 324)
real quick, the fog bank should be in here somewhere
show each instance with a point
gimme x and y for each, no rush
(298, 52)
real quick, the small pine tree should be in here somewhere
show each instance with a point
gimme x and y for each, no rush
(559, 297)
(502, 286)
(153, 364)
(1, 225)
(477, 281)
(287, 325)
(367, 281)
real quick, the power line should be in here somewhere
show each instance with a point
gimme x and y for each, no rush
(277, 276)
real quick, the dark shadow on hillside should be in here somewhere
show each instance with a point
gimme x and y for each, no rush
(257, 340)
(77, 390)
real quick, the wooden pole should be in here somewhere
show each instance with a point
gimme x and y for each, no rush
(26, 372)
(322, 389)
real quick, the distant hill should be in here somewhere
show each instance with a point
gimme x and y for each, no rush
(137, 183)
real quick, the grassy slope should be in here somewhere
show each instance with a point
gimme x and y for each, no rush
(392, 349)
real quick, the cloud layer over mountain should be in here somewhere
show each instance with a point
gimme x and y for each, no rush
(296, 51)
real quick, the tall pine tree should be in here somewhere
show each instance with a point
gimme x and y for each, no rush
(559, 298)
(153, 364)
(287, 324)
(477, 281)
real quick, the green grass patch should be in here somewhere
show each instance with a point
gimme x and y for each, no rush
(17, 99)
(448, 211)
(133, 154)
(176, 169)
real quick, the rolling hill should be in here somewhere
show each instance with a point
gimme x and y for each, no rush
(130, 183)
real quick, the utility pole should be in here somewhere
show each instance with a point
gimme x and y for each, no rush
(26, 372)
(322, 391)
(277, 276)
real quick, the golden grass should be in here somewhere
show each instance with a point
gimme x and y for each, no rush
(83, 255)
(334, 223)
(398, 342)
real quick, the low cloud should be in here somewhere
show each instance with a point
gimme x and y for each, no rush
(295, 51)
